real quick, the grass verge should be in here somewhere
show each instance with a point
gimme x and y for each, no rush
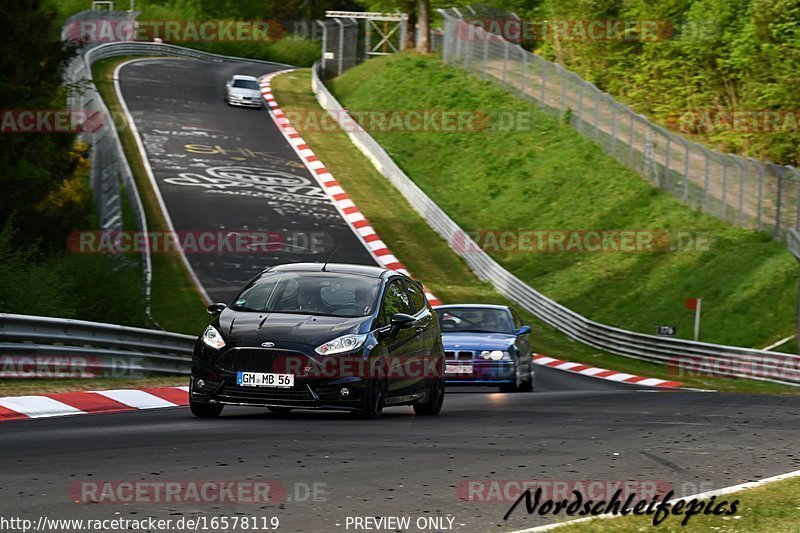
(176, 304)
(772, 507)
(429, 257)
(22, 387)
(519, 169)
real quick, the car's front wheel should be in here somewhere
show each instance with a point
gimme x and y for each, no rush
(205, 410)
(434, 400)
(374, 400)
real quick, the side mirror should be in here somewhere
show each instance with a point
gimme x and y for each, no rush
(402, 321)
(216, 309)
(524, 330)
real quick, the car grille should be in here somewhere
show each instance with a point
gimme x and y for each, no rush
(262, 360)
(462, 355)
(300, 395)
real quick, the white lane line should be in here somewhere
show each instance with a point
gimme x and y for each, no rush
(136, 398)
(38, 406)
(700, 496)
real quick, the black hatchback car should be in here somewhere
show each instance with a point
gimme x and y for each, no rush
(333, 336)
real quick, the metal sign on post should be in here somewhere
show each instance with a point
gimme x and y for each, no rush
(384, 33)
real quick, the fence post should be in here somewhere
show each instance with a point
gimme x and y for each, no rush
(630, 140)
(524, 71)
(778, 205)
(596, 114)
(705, 182)
(505, 61)
(666, 160)
(341, 45)
(760, 193)
(741, 192)
(467, 47)
(544, 84)
(686, 171)
(724, 207)
(486, 38)
(613, 129)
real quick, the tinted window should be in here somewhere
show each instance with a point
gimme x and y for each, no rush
(313, 293)
(246, 84)
(395, 300)
(476, 319)
(416, 295)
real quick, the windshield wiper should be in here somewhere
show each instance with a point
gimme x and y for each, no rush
(475, 331)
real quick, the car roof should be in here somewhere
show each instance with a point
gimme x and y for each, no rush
(478, 306)
(244, 77)
(337, 268)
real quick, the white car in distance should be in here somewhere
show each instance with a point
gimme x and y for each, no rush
(243, 91)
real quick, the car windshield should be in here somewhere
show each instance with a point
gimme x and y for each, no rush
(245, 84)
(474, 319)
(310, 293)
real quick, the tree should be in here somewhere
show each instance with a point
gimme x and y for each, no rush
(424, 29)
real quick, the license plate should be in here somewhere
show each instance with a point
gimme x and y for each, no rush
(458, 369)
(260, 379)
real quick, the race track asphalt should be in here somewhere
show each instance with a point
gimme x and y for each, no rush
(571, 428)
(228, 170)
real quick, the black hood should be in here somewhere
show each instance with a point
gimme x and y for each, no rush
(252, 328)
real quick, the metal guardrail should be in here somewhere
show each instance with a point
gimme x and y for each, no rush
(745, 192)
(685, 355)
(120, 351)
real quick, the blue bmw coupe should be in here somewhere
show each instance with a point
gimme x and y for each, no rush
(486, 345)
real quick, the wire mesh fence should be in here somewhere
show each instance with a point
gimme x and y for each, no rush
(752, 194)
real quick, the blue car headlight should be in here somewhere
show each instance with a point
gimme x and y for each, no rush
(496, 355)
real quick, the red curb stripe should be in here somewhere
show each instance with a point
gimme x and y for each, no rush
(170, 394)
(90, 402)
(8, 414)
(635, 379)
(372, 237)
(606, 374)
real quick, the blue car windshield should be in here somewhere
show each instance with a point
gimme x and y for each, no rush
(310, 293)
(475, 319)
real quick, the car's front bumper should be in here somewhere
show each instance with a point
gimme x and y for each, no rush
(488, 373)
(310, 391)
(233, 100)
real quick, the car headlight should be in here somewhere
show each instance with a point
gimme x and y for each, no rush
(495, 355)
(212, 338)
(345, 343)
